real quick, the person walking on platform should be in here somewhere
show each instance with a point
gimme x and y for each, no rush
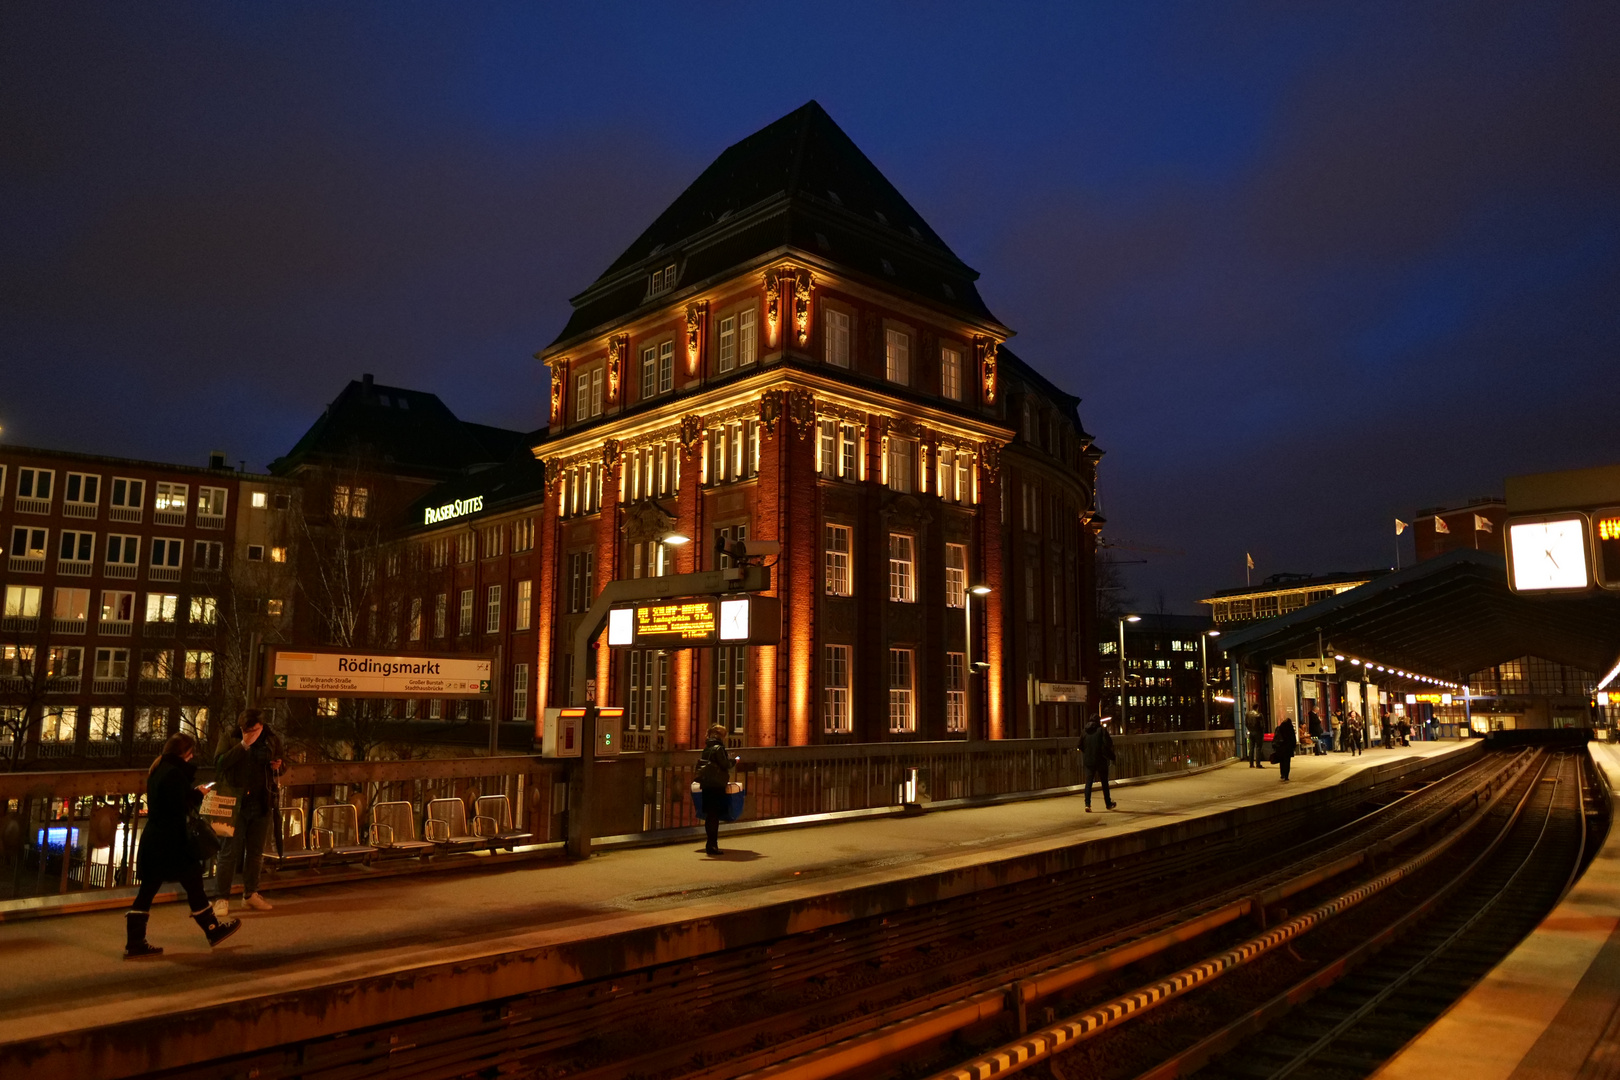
(712, 775)
(1284, 741)
(1256, 728)
(1097, 756)
(166, 852)
(1352, 736)
(250, 770)
(1313, 724)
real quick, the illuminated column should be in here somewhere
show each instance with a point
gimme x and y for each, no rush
(996, 576)
(607, 550)
(798, 565)
(548, 608)
(683, 727)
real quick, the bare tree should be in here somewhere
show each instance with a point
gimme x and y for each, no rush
(24, 678)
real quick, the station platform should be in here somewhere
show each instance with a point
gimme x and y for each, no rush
(1551, 1009)
(335, 958)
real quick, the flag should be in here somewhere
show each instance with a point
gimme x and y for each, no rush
(1440, 525)
(1482, 523)
(1400, 526)
(1248, 559)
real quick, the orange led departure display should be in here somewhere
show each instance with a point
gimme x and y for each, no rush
(682, 622)
(1606, 538)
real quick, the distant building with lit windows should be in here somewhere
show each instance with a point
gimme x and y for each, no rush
(790, 353)
(1165, 675)
(1279, 594)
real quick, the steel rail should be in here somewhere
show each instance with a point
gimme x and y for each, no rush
(1016, 1056)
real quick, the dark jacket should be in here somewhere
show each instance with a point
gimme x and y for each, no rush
(1313, 724)
(245, 772)
(715, 769)
(1284, 741)
(165, 852)
(1255, 724)
(1096, 747)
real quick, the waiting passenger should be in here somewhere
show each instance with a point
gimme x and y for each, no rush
(251, 770)
(1284, 741)
(1256, 726)
(1313, 724)
(166, 852)
(712, 776)
(1097, 756)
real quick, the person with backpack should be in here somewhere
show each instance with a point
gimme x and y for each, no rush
(713, 773)
(1097, 757)
(166, 851)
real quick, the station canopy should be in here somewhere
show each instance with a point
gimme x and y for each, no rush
(1446, 617)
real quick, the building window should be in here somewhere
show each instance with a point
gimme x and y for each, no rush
(835, 331)
(278, 554)
(582, 396)
(956, 575)
(522, 602)
(59, 724)
(492, 610)
(76, 547)
(747, 337)
(29, 544)
(835, 449)
(838, 578)
(118, 607)
(727, 358)
(657, 369)
(520, 691)
(902, 703)
(648, 705)
(950, 373)
(207, 555)
(441, 604)
(902, 569)
(731, 688)
(273, 608)
(733, 451)
(166, 556)
(255, 552)
(662, 281)
(211, 502)
(199, 665)
(128, 496)
(35, 483)
(16, 661)
(835, 716)
(523, 534)
(464, 627)
(901, 465)
(897, 357)
(82, 489)
(204, 611)
(72, 608)
(171, 498)
(956, 692)
(349, 502)
(161, 607)
(414, 629)
(1031, 507)
(955, 475)
(258, 500)
(728, 538)
(581, 567)
(650, 558)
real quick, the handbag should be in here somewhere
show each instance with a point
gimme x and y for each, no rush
(200, 838)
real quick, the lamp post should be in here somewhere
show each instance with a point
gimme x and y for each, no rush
(969, 664)
(1123, 619)
(1203, 664)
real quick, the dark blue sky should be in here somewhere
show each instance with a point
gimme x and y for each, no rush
(1309, 266)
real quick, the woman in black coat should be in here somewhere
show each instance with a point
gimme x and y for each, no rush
(1284, 741)
(713, 773)
(166, 853)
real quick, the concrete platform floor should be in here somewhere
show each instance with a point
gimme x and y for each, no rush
(1551, 1009)
(66, 981)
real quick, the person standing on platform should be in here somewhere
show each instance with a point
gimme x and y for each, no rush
(251, 770)
(166, 852)
(1097, 756)
(712, 775)
(1313, 724)
(1353, 734)
(1284, 741)
(1256, 728)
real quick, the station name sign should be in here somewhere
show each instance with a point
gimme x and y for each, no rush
(330, 673)
(696, 622)
(433, 515)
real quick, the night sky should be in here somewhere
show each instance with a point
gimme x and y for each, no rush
(1309, 266)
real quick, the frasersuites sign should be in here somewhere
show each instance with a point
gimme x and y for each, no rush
(432, 515)
(335, 673)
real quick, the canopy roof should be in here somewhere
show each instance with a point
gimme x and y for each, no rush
(1446, 617)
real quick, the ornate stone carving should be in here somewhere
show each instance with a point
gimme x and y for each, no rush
(554, 472)
(773, 305)
(610, 455)
(646, 521)
(615, 363)
(801, 409)
(987, 367)
(906, 510)
(691, 434)
(559, 380)
(771, 407)
(990, 457)
(803, 282)
(697, 316)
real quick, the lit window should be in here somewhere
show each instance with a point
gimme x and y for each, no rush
(835, 715)
(349, 501)
(273, 608)
(414, 631)
(897, 355)
(161, 607)
(171, 498)
(466, 612)
(520, 691)
(211, 502)
(950, 373)
(278, 554)
(836, 337)
(838, 578)
(902, 569)
(523, 601)
(259, 500)
(204, 611)
(955, 692)
(492, 610)
(902, 465)
(727, 359)
(747, 337)
(955, 575)
(902, 704)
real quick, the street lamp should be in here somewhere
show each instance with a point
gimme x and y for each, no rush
(970, 664)
(1203, 661)
(1123, 619)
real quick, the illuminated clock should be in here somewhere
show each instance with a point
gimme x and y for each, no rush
(1549, 554)
(734, 620)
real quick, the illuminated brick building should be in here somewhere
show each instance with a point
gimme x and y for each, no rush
(790, 353)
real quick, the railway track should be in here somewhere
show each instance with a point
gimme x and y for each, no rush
(778, 1009)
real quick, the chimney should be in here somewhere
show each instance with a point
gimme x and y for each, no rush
(365, 381)
(216, 460)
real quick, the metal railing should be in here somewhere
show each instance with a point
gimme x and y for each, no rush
(783, 783)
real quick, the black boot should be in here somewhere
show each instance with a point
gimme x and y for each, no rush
(211, 926)
(135, 946)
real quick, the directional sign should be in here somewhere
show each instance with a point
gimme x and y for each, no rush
(329, 673)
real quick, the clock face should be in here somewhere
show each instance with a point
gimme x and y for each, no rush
(734, 620)
(1549, 555)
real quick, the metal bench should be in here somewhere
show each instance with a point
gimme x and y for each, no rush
(493, 820)
(393, 830)
(446, 826)
(295, 849)
(336, 831)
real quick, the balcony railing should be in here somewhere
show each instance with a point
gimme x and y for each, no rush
(68, 626)
(62, 685)
(109, 628)
(169, 517)
(154, 686)
(24, 564)
(73, 569)
(163, 573)
(108, 686)
(124, 513)
(121, 570)
(80, 510)
(210, 521)
(32, 506)
(19, 624)
(647, 795)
